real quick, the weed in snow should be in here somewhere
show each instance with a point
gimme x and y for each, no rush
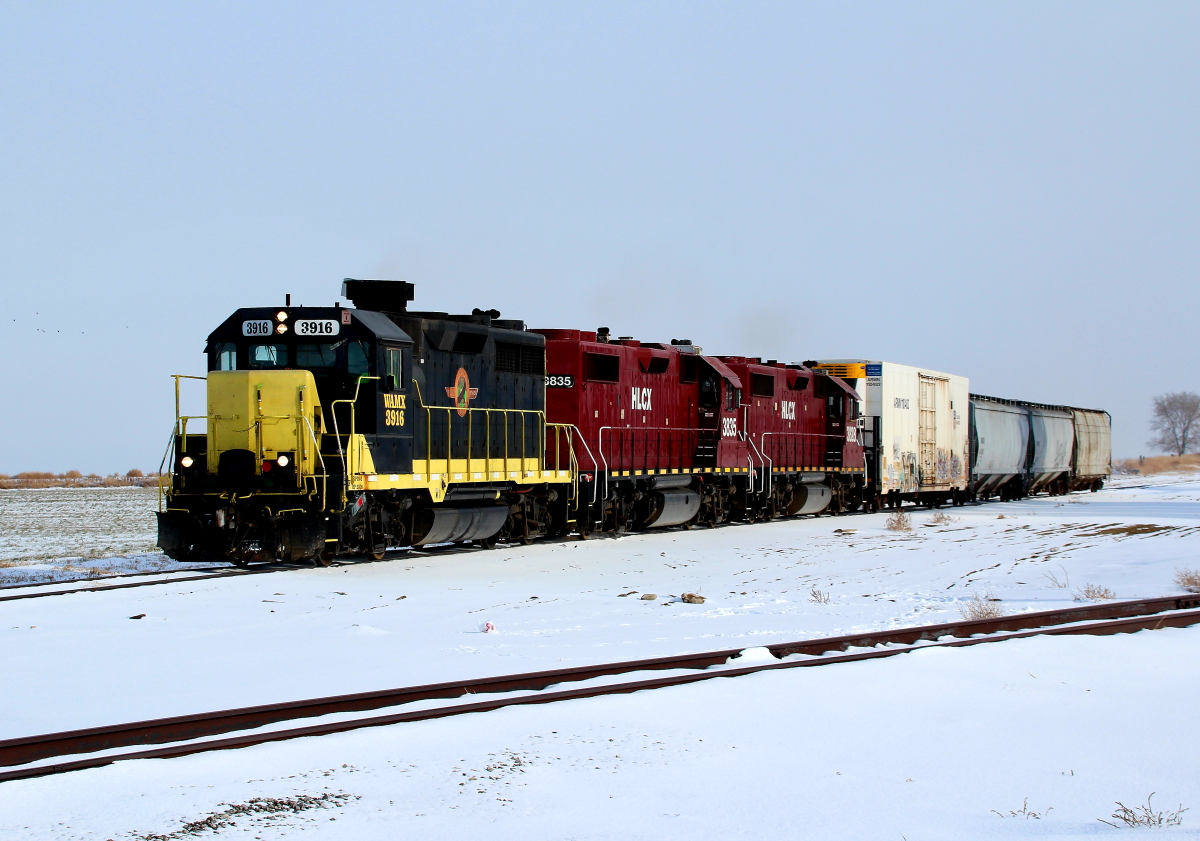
(1094, 593)
(1188, 579)
(1065, 584)
(818, 596)
(899, 521)
(1025, 812)
(981, 606)
(1145, 815)
(941, 518)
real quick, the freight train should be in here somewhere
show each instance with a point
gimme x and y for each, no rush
(352, 429)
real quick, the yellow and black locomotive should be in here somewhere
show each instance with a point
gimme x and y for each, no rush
(352, 429)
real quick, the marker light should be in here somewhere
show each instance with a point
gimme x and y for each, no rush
(266, 467)
(282, 461)
(281, 329)
(281, 316)
(186, 461)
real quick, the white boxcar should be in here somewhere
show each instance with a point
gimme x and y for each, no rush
(999, 447)
(915, 428)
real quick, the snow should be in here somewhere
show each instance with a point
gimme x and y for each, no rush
(821, 753)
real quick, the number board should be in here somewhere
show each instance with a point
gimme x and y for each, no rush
(317, 327)
(256, 328)
(560, 381)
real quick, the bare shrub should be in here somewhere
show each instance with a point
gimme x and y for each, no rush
(1025, 812)
(1094, 592)
(1145, 815)
(134, 474)
(818, 596)
(1188, 579)
(899, 521)
(692, 598)
(981, 606)
(941, 518)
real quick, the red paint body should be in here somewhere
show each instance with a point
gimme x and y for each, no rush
(796, 419)
(643, 407)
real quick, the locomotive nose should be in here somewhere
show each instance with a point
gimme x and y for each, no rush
(260, 422)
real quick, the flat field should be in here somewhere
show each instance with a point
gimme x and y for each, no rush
(62, 534)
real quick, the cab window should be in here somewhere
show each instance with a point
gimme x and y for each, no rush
(226, 357)
(357, 359)
(268, 356)
(393, 379)
(733, 397)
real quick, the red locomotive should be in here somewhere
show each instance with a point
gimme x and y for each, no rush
(665, 435)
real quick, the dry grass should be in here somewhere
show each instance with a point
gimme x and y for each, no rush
(941, 518)
(1188, 579)
(818, 596)
(1145, 815)
(692, 598)
(1064, 584)
(981, 606)
(1161, 464)
(1025, 812)
(899, 521)
(38, 480)
(1094, 593)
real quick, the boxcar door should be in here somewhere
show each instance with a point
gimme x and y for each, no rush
(927, 431)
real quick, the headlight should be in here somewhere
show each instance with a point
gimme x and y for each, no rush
(282, 461)
(281, 316)
(186, 461)
(281, 329)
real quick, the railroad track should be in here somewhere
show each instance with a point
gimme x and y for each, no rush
(182, 735)
(224, 572)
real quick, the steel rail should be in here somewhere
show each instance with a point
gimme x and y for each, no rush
(1118, 617)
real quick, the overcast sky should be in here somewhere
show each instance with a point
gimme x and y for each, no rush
(1006, 191)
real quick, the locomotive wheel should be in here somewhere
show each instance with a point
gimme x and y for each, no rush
(377, 555)
(324, 559)
(241, 563)
(488, 542)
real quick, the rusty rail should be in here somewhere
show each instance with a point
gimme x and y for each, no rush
(1100, 619)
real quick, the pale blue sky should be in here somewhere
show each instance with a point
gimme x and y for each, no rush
(1007, 191)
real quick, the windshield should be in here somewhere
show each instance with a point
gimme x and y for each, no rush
(268, 356)
(316, 356)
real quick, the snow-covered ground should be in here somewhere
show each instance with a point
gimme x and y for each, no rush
(823, 753)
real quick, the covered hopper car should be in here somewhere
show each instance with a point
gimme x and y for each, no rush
(1020, 448)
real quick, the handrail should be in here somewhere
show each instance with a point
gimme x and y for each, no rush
(487, 413)
(338, 436)
(177, 378)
